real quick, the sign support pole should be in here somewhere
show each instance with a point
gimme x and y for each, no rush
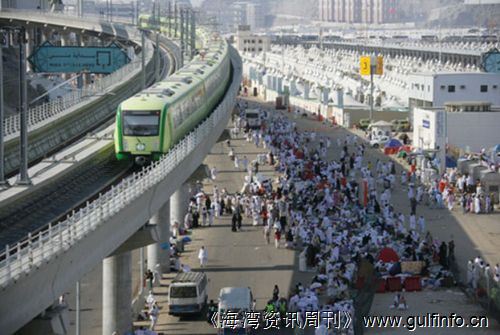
(372, 69)
(3, 182)
(23, 178)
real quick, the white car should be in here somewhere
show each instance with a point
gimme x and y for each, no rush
(378, 141)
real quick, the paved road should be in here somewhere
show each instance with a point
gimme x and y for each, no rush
(244, 259)
(234, 258)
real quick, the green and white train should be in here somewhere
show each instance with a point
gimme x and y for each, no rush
(154, 120)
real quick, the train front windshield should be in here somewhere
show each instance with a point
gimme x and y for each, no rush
(141, 123)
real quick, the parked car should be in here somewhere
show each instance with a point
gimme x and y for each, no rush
(400, 125)
(364, 123)
(379, 141)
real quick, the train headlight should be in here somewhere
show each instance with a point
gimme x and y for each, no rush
(140, 146)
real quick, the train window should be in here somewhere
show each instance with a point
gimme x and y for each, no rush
(141, 123)
(484, 88)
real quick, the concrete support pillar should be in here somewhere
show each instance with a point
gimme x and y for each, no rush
(178, 204)
(117, 294)
(159, 253)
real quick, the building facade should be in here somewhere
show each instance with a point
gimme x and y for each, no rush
(359, 11)
(246, 41)
(436, 89)
(468, 126)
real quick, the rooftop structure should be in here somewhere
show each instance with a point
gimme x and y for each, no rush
(246, 41)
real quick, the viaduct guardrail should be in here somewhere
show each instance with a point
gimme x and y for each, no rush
(37, 270)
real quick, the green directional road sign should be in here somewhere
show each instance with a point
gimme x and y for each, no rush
(50, 58)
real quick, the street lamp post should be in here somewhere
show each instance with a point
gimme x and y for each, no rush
(3, 182)
(373, 67)
(23, 178)
(143, 59)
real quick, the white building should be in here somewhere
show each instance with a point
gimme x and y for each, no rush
(468, 126)
(255, 15)
(436, 89)
(246, 41)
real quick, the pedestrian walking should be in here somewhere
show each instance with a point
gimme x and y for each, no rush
(245, 163)
(277, 234)
(211, 214)
(154, 311)
(203, 256)
(213, 173)
(421, 223)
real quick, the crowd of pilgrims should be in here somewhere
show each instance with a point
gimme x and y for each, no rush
(314, 205)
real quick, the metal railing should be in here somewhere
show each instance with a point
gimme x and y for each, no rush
(87, 22)
(44, 245)
(46, 112)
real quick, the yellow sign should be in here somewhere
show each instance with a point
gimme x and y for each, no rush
(364, 66)
(380, 66)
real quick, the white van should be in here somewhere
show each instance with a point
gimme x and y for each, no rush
(234, 299)
(253, 118)
(188, 293)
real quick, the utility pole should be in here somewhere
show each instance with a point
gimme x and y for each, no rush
(159, 15)
(183, 47)
(143, 59)
(77, 321)
(141, 269)
(153, 14)
(186, 31)
(23, 178)
(157, 58)
(193, 34)
(3, 182)
(176, 12)
(187, 35)
(110, 10)
(169, 18)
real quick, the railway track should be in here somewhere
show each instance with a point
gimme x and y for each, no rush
(52, 202)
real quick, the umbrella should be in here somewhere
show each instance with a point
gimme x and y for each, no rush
(393, 143)
(388, 255)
